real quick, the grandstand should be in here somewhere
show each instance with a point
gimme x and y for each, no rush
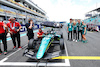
(93, 18)
(21, 10)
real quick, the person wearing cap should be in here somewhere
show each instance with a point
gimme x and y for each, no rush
(84, 31)
(69, 28)
(79, 24)
(3, 36)
(29, 27)
(14, 31)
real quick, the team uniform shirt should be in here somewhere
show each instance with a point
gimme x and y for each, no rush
(74, 27)
(13, 26)
(38, 34)
(83, 26)
(70, 25)
(1, 28)
(79, 26)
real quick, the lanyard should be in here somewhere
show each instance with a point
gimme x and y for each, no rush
(79, 25)
(70, 25)
(13, 25)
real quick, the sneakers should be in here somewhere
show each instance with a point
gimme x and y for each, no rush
(14, 47)
(5, 52)
(76, 40)
(83, 41)
(73, 39)
(0, 52)
(79, 40)
(19, 47)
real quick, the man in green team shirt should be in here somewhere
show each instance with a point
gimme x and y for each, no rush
(69, 28)
(79, 25)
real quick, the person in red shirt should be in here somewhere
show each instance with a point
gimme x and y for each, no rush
(40, 33)
(14, 31)
(3, 36)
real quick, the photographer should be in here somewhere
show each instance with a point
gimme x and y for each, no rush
(29, 27)
(14, 31)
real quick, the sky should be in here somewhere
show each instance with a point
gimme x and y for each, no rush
(63, 10)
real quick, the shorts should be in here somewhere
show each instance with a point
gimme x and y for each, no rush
(83, 33)
(30, 36)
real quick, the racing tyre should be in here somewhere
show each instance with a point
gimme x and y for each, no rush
(61, 44)
(31, 44)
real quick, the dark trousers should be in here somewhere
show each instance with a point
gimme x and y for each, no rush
(3, 38)
(70, 32)
(30, 36)
(14, 36)
(79, 32)
(74, 34)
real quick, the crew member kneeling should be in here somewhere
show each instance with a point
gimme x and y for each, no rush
(40, 34)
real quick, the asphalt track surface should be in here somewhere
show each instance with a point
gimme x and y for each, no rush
(92, 48)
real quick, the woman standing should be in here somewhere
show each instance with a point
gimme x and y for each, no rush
(84, 31)
(74, 31)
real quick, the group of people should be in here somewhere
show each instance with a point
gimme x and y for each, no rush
(74, 29)
(14, 32)
(13, 28)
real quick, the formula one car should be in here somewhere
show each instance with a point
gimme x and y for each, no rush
(50, 46)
